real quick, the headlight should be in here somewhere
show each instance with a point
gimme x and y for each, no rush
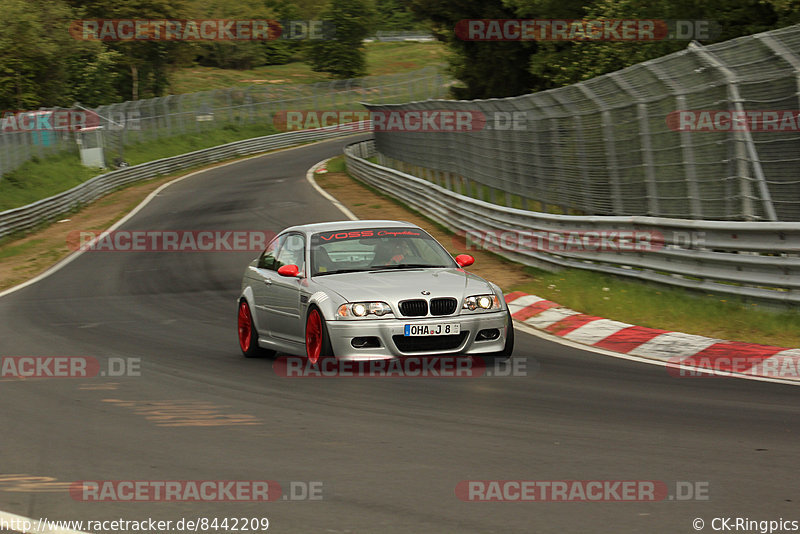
(362, 309)
(481, 302)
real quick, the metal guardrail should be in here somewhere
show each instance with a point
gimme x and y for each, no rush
(749, 259)
(27, 217)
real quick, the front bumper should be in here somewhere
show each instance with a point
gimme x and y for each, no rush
(342, 332)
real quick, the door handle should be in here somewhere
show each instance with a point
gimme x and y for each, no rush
(268, 281)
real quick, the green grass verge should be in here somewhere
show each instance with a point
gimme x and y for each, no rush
(173, 146)
(337, 165)
(38, 179)
(14, 250)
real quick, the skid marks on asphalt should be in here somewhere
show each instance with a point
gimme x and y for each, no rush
(25, 483)
(185, 413)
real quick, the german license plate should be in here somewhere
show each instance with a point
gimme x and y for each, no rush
(446, 329)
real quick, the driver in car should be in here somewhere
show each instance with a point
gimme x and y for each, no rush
(400, 251)
(392, 252)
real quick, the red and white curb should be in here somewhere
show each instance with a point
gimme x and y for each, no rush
(684, 355)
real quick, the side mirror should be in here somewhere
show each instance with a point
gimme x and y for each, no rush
(289, 271)
(463, 260)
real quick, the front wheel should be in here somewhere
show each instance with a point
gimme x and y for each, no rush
(318, 343)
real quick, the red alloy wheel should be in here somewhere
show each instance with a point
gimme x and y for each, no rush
(245, 327)
(313, 336)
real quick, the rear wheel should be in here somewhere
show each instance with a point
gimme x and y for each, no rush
(248, 335)
(318, 343)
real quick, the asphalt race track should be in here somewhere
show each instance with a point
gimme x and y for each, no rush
(388, 452)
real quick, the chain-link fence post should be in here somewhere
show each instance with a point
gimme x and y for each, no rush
(687, 148)
(744, 138)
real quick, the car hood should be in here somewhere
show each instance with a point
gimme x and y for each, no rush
(404, 284)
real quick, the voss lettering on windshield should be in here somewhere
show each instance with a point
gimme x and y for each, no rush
(327, 237)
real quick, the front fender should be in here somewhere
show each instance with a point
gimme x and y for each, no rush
(499, 292)
(247, 294)
(327, 304)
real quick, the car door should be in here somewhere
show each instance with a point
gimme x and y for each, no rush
(263, 277)
(288, 323)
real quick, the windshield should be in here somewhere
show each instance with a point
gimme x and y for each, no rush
(373, 249)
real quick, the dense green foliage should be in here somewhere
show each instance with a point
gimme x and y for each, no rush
(41, 64)
(497, 69)
(343, 56)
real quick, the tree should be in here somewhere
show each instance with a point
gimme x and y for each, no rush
(395, 15)
(95, 77)
(499, 69)
(486, 69)
(343, 56)
(41, 65)
(242, 54)
(144, 65)
(563, 63)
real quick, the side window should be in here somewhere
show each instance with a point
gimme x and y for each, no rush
(267, 260)
(292, 251)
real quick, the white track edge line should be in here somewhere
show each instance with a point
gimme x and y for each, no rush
(310, 178)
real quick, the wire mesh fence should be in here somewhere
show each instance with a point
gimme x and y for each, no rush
(42, 133)
(634, 142)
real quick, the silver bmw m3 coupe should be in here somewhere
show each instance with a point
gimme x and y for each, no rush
(363, 290)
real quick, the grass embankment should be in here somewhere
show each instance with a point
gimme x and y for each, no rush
(382, 58)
